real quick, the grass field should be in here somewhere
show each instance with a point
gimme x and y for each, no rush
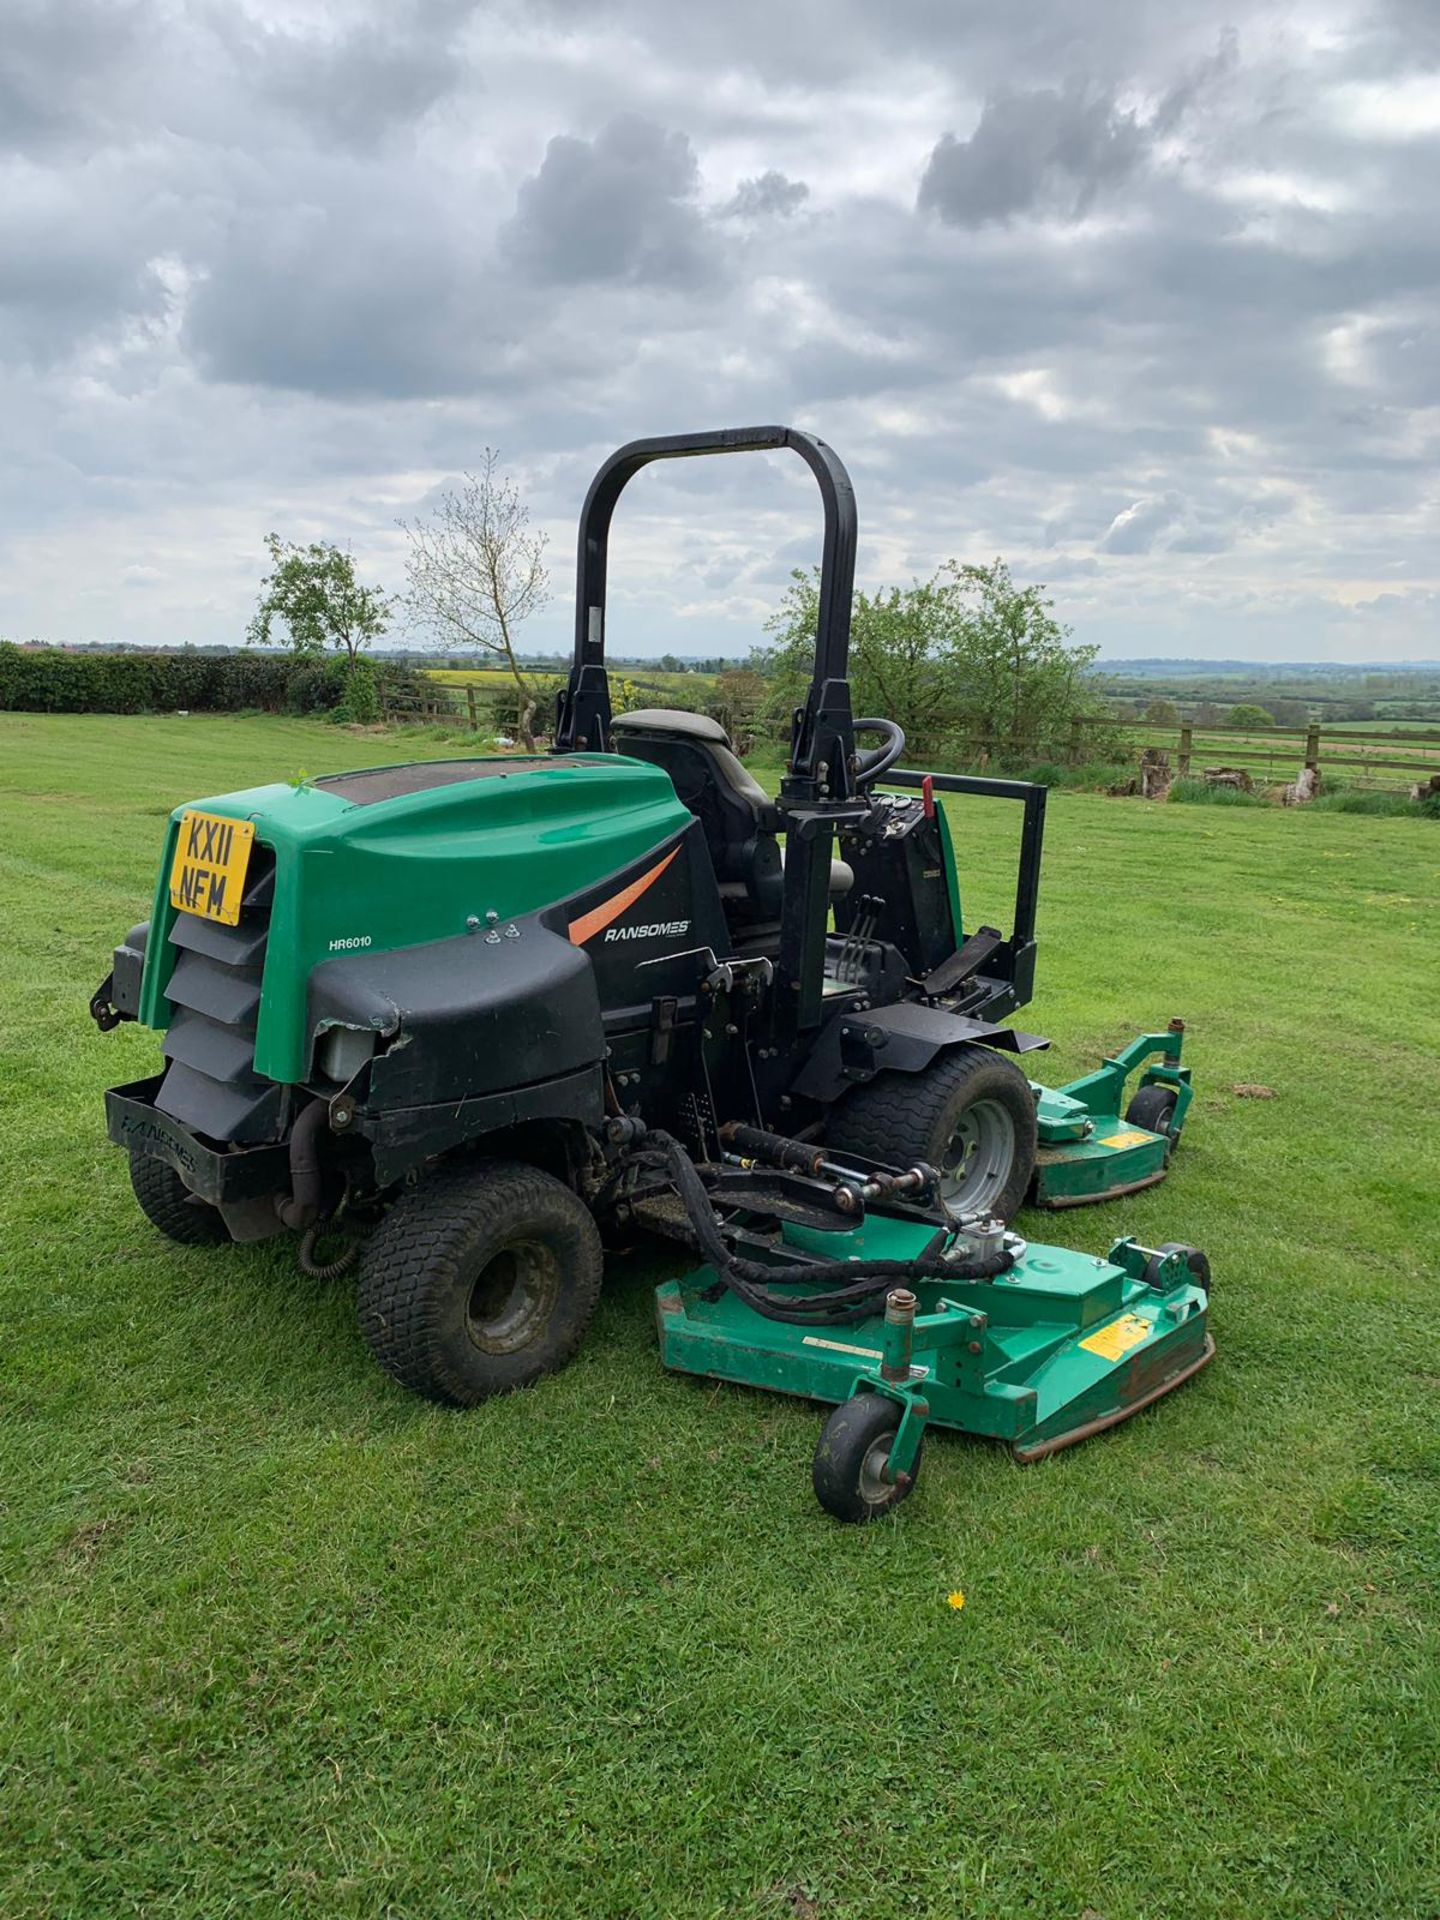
(278, 1639)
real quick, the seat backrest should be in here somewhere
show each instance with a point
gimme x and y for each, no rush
(738, 816)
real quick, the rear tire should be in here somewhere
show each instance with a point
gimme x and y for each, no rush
(970, 1113)
(168, 1204)
(479, 1280)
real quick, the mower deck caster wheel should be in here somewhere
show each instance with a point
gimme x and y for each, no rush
(851, 1456)
(1154, 1109)
(1197, 1262)
(168, 1204)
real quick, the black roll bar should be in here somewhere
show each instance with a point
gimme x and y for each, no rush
(583, 720)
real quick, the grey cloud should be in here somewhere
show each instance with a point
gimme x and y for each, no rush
(768, 193)
(56, 65)
(1027, 147)
(620, 207)
(358, 85)
(244, 263)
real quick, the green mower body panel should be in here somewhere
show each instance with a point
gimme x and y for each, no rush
(1088, 1149)
(362, 865)
(1060, 1346)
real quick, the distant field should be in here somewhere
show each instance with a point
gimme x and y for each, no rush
(280, 1640)
(497, 680)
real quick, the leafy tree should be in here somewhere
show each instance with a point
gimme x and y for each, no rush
(476, 572)
(964, 656)
(1162, 713)
(1246, 714)
(313, 592)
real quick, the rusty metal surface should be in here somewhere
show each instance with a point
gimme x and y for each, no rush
(1076, 1434)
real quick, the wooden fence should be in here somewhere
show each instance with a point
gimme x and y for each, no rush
(1268, 754)
(1272, 754)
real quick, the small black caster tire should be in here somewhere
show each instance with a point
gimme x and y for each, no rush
(852, 1450)
(168, 1204)
(479, 1280)
(1154, 1109)
(1197, 1262)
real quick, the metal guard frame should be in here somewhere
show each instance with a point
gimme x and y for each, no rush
(822, 740)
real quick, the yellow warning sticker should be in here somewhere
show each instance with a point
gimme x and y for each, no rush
(1131, 1137)
(1117, 1339)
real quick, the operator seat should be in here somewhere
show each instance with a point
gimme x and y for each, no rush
(741, 822)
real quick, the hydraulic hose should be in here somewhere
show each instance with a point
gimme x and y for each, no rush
(866, 1282)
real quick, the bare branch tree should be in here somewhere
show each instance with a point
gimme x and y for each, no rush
(476, 572)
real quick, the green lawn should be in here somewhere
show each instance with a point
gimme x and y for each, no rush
(277, 1639)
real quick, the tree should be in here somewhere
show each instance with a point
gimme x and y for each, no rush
(314, 593)
(476, 572)
(1246, 714)
(1162, 713)
(966, 655)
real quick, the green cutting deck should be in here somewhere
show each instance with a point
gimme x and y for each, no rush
(1058, 1347)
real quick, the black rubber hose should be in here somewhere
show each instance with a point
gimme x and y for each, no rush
(302, 1207)
(866, 1281)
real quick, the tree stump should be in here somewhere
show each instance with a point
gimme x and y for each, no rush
(1155, 774)
(1303, 789)
(1229, 777)
(1426, 789)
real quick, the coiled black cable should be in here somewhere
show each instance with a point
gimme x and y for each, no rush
(866, 1281)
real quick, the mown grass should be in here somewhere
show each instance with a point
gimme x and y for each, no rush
(279, 1639)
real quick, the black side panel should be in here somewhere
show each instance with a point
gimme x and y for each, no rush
(136, 1123)
(407, 1136)
(127, 967)
(903, 1038)
(484, 1013)
(643, 926)
(903, 868)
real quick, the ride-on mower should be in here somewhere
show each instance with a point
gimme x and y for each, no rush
(453, 1019)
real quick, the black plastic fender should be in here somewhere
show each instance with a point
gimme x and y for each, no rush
(903, 1038)
(500, 1008)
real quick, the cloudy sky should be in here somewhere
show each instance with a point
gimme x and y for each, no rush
(1142, 297)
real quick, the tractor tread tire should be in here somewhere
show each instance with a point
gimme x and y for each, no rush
(414, 1269)
(170, 1207)
(896, 1117)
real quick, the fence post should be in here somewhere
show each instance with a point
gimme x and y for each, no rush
(1185, 739)
(1312, 745)
(470, 703)
(1077, 744)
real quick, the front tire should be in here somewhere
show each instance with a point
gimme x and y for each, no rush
(168, 1204)
(970, 1113)
(479, 1280)
(850, 1459)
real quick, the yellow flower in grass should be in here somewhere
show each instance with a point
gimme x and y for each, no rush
(955, 1599)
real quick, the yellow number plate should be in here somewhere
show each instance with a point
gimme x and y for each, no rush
(207, 875)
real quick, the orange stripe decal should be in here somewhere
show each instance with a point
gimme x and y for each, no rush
(598, 918)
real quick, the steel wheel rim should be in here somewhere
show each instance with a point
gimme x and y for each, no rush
(976, 1165)
(873, 1487)
(512, 1297)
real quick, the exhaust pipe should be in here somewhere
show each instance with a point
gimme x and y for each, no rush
(301, 1207)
